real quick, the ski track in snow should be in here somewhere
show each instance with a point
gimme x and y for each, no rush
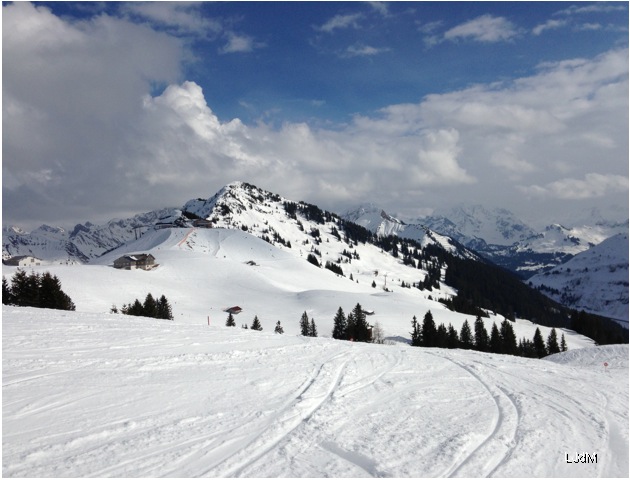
(105, 396)
(489, 454)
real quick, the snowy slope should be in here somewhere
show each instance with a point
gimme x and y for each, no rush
(595, 280)
(93, 394)
(204, 271)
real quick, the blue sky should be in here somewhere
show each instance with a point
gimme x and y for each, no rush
(114, 108)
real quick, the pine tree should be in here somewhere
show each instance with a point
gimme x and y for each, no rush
(508, 338)
(32, 292)
(482, 342)
(465, 336)
(539, 344)
(48, 289)
(526, 348)
(339, 329)
(163, 309)
(312, 329)
(350, 327)
(279, 328)
(19, 287)
(304, 325)
(552, 342)
(361, 327)
(563, 344)
(441, 336)
(149, 307)
(230, 321)
(135, 309)
(416, 339)
(256, 324)
(429, 330)
(496, 344)
(7, 295)
(453, 340)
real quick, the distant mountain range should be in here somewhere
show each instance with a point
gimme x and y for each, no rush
(495, 234)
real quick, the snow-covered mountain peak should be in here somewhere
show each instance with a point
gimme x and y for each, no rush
(496, 226)
(374, 218)
(13, 229)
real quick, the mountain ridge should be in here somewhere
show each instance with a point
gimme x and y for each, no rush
(240, 205)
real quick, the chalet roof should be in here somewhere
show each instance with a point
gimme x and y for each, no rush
(137, 256)
(234, 309)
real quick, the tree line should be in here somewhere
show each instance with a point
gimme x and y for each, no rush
(35, 290)
(501, 339)
(150, 308)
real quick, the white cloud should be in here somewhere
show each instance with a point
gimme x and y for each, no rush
(486, 28)
(84, 135)
(380, 7)
(603, 7)
(511, 162)
(360, 50)
(239, 44)
(71, 92)
(548, 25)
(593, 185)
(340, 22)
(182, 18)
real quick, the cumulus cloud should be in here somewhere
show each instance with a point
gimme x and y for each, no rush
(88, 133)
(71, 92)
(486, 28)
(179, 121)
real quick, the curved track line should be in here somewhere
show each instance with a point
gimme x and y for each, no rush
(290, 417)
(490, 453)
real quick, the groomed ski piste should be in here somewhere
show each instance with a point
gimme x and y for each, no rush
(94, 394)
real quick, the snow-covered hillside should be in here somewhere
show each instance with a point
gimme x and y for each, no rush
(204, 271)
(595, 281)
(103, 395)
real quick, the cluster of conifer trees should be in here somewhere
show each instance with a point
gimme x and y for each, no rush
(307, 328)
(150, 308)
(35, 290)
(500, 340)
(353, 327)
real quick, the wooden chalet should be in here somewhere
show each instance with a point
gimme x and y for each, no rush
(141, 261)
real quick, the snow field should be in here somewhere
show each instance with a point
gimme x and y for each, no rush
(93, 394)
(89, 393)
